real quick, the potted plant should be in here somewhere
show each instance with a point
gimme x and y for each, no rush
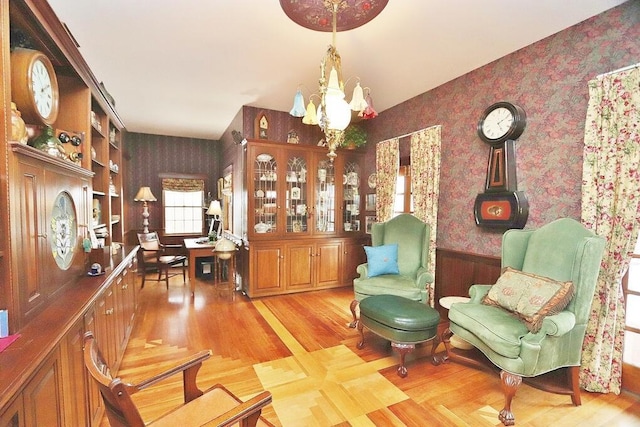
(354, 137)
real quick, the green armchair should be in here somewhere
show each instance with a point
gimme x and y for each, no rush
(562, 250)
(412, 237)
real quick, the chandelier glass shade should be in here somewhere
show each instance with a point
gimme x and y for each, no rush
(333, 113)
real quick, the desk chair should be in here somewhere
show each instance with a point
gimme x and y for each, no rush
(153, 257)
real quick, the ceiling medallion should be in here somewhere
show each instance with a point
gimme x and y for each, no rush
(317, 14)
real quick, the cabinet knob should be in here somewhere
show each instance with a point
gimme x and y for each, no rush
(125, 287)
(109, 311)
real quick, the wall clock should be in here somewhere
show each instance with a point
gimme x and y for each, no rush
(500, 122)
(64, 230)
(34, 86)
(501, 205)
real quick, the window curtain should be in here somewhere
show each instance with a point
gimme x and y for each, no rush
(425, 187)
(387, 165)
(611, 208)
(182, 184)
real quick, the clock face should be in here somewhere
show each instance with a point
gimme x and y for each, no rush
(42, 88)
(500, 122)
(64, 230)
(497, 123)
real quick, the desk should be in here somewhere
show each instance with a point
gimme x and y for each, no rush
(199, 250)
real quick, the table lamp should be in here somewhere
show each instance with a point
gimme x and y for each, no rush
(145, 195)
(215, 210)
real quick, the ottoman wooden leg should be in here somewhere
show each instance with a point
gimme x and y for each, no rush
(403, 349)
(354, 304)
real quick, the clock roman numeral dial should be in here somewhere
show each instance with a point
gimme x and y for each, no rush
(42, 90)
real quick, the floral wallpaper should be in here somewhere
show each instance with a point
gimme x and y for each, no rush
(549, 80)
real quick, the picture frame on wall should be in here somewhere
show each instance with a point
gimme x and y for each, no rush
(370, 202)
(368, 223)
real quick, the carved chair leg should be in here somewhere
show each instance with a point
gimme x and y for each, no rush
(573, 374)
(434, 345)
(510, 384)
(361, 330)
(354, 304)
(403, 349)
(443, 357)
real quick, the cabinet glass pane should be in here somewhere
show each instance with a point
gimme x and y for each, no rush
(351, 197)
(325, 207)
(296, 195)
(265, 195)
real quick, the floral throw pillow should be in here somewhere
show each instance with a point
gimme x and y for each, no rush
(529, 296)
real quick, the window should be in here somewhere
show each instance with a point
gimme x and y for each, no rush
(404, 199)
(182, 203)
(631, 288)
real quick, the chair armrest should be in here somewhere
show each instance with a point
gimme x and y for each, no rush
(363, 270)
(251, 407)
(190, 367)
(477, 292)
(558, 324)
(423, 277)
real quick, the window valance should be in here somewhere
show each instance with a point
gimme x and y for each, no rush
(182, 184)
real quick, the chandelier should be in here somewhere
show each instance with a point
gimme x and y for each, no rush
(333, 113)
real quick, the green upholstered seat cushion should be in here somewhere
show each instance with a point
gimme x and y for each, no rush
(387, 284)
(382, 259)
(496, 327)
(529, 296)
(399, 313)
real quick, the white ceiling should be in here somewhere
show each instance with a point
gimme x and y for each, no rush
(185, 68)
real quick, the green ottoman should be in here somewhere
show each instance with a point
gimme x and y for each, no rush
(402, 321)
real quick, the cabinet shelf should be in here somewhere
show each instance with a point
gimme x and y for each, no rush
(98, 193)
(96, 131)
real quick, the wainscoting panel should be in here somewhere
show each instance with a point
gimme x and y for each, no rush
(456, 271)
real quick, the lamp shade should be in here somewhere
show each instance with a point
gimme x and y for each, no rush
(298, 109)
(214, 208)
(310, 117)
(357, 100)
(145, 195)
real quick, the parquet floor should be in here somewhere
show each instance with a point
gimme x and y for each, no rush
(299, 348)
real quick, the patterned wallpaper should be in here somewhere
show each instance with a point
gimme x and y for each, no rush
(549, 80)
(147, 156)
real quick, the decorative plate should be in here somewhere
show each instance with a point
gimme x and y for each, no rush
(64, 230)
(263, 157)
(372, 180)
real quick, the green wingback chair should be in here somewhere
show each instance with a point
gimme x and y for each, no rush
(412, 237)
(562, 250)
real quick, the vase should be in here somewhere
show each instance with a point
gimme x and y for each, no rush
(18, 128)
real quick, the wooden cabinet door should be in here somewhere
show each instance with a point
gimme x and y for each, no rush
(32, 241)
(353, 256)
(43, 395)
(265, 178)
(327, 260)
(299, 260)
(74, 380)
(266, 268)
(95, 403)
(13, 416)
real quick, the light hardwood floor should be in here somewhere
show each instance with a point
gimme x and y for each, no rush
(299, 348)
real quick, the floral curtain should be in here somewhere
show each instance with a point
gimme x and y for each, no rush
(387, 165)
(425, 186)
(611, 208)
